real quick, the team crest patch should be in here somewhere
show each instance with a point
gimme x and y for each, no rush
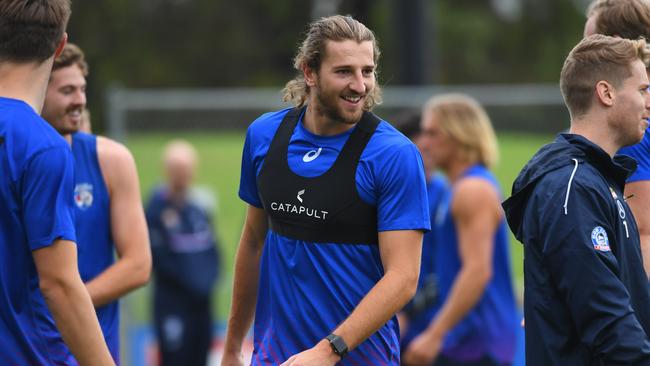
(599, 239)
(83, 195)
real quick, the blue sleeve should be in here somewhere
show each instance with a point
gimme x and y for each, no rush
(641, 153)
(588, 278)
(402, 202)
(248, 179)
(48, 198)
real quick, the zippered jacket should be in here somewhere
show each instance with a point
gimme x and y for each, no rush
(586, 299)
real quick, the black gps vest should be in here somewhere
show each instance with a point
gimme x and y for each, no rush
(323, 209)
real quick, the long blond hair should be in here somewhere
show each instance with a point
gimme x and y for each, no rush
(312, 52)
(463, 119)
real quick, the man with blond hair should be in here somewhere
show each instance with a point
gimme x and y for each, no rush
(475, 321)
(43, 302)
(337, 206)
(586, 299)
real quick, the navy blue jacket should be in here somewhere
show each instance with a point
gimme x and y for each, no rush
(586, 299)
(183, 246)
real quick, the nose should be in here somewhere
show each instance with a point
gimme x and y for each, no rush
(357, 84)
(80, 97)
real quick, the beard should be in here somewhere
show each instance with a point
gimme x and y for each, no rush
(328, 106)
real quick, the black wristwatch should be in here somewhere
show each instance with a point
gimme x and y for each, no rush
(338, 345)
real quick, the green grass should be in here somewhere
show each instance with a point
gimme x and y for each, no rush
(515, 151)
(220, 155)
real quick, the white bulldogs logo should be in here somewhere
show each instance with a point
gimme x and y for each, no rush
(599, 239)
(83, 195)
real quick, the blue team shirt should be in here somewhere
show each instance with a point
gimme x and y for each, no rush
(307, 289)
(36, 180)
(489, 328)
(641, 153)
(93, 226)
(436, 187)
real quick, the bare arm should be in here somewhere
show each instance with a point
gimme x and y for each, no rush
(245, 283)
(476, 212)
(639, 201)
(400, 255)
(128, 226)
(69, 302)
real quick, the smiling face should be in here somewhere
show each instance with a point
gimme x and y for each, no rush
(338, 91)
(631, 109)
(65, 99)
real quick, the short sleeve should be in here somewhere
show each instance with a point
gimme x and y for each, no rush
(47, 196)
(402, 202)
(248, 179)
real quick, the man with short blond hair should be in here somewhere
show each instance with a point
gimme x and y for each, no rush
(586, 299)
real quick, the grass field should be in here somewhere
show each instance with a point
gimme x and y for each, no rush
(220, 155)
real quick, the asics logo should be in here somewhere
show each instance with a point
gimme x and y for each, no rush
(311, 155)
(300, 193)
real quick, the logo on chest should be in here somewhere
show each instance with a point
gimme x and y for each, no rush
(83, 195)
(299, 209)
(311, 155)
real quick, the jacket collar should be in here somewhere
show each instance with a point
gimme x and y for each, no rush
(617, 169)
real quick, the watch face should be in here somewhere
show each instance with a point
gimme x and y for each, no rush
(338, 345)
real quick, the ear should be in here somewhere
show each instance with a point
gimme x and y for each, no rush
(605, 93)
(310, 75)
(59, 49)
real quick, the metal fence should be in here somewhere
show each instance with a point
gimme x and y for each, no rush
(527, 107)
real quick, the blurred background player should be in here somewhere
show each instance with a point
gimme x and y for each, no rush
(38, 256)
(109, 213)
(477, 320)
(185, 261)
(337, 204)
(629, 19)
(417, 314)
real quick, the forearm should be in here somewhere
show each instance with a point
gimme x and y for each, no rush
(465, 293)
(125, 275)
(77, 322)
(244, 298)
(385, 299)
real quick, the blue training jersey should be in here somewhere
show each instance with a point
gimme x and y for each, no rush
(489, 328)
(641, 153)
(307, 289)
(36, 177)
(436, 187)
(93, 226)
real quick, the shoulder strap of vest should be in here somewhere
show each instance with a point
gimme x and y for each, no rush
(277, 153)
(351, 152)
